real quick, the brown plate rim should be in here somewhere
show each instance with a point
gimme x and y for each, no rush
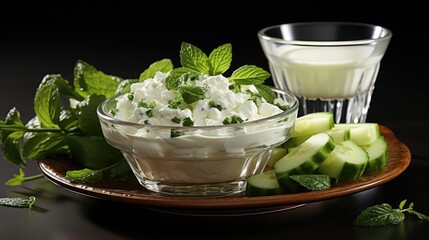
(131, 192)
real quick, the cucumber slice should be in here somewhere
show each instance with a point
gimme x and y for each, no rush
(340, 135)
(263, 184)
(378, 155)
(276, 154)
(361, 133)
(295, 141)
(304, 159)
(313, 123)
(346, 162)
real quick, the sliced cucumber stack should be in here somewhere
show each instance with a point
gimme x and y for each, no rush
(361, 133)
(304, 159)
(313, 123)
(263, 184)
(308, 125)
(346, 162)
(341, 152)
(378, 155)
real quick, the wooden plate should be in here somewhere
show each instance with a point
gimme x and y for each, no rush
(131, 192)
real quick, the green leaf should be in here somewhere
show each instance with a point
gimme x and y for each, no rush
(13, 117)
(63, 86)
(87, 115)
(88, 80)
(120, 171)
(68, 119)
(402, 204)
(18, 202)
(17, 179)
(47, 105)
(40, 144)
(379, 215)
(191, 94)
(164, 65)
(11, 148)
(84, 175)
(266, 92)
(312, 182)
(220, 59)
(249, 74)
(194, 58)
(419, 215)
(93, 151)
(179, 76)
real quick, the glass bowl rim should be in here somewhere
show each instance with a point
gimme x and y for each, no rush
(386, 37)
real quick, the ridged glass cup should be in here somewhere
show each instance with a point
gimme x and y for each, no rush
(329, 66)
(201, 161)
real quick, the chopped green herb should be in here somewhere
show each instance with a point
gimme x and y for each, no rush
(187, 122)
(130, 96)
(176, 133)
(176, 120)
(213, 104)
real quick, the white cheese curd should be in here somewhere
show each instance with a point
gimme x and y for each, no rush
(200, 155)
(217, 91)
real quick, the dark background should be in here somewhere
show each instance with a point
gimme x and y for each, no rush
(123, 38)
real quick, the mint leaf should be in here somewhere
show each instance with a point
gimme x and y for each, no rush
(47, 105)
(379, 215)
(191, 94)
(88, 80)
(194, 58)
(419, 215)
(266, 92)
(87, 115)
(121, 171)
(11, 133)
(312, 181)
(85, 175)
(17, 179)
(249, 74)
(68, 119)
(92, 151)
(164, 65)
(62, 85)
(179, 76)
(220, 59)
(40, 144)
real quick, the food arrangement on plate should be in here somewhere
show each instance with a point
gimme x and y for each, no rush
(189, 131)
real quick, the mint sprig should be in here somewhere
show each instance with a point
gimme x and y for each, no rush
(196, 63)
(383, 214)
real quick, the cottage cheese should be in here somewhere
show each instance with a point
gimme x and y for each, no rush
(201, 155)
(149, 103)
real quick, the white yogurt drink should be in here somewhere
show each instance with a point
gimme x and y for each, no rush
(330, 67)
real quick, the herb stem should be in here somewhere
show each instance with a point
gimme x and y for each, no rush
(34, 177)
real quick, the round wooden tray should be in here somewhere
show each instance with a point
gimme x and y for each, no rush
(132, 192)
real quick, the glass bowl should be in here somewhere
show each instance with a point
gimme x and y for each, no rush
(199, 161)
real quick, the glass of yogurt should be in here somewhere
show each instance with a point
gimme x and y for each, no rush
(329, 66)
(231, 136)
